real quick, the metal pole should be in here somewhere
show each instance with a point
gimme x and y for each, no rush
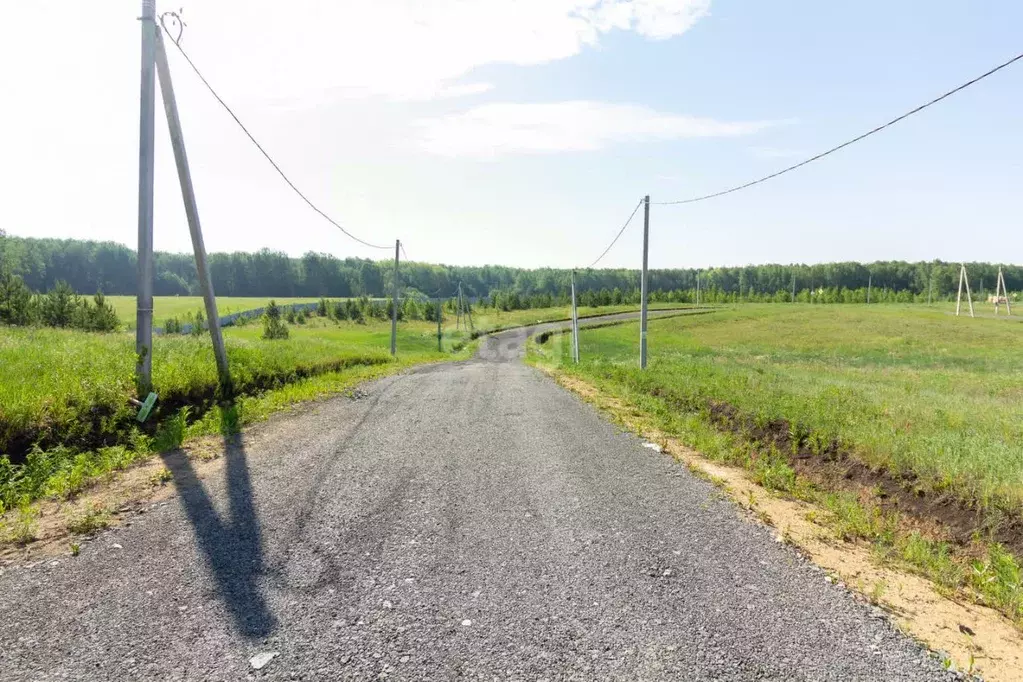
(575, 324)
(643, 283)
(192, 213)
(440, 316)
(144, 292)
(394, 302)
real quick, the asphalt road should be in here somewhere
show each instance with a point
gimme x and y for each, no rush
(464, 520)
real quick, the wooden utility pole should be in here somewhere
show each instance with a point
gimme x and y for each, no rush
(793, 288)
(440, 316)
(643, 283)
(963, 279)
(870, 281)
(202, 266)
(394, 301)
(1000, 290)
(144, 286)
(575, 324)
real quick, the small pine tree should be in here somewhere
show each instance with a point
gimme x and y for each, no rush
(102, 317)
(16, 304)
(273, 325)
(198, 323)
(59, 304)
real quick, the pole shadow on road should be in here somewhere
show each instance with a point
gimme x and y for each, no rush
(232, 547)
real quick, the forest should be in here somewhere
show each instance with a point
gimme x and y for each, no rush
(90, 267)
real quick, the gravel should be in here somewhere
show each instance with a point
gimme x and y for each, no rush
(463, 520)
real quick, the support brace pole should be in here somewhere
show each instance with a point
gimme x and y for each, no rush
(202, 266)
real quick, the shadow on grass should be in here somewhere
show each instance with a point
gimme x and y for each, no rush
(233, 546)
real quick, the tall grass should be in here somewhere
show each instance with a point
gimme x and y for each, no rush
(903, 388)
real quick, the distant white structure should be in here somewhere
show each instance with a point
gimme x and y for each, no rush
(1001, 295)
(963, 279)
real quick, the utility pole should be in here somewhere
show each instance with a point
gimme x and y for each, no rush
(458, 308)
(144, 291)
(468, 312)
(643, 283)
(394, 301)
(575, 324)
(697, 288)
(870, 278)
(930, 286)
(440, 316)
(1005, 293)
(963, 279)
(793, 288)
(202, 266)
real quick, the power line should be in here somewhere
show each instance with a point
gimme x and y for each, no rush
(253, 139)
(846, 144)
(631, 216)
(402, 245)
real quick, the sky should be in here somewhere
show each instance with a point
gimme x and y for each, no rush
(523, 132)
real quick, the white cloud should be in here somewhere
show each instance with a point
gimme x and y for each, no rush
(494, 130)
(408, 49)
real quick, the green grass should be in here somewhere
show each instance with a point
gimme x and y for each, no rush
(180, 306)
(904, 388)
(68, 391)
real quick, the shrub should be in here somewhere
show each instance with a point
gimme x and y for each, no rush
(172, 326)
(59, 304)
(198, 323)
(16, 304)
(273, 326)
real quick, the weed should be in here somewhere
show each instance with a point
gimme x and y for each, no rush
(877, 592)
(90, 520)
(24, 528)
(75, 548)
(172, 432)
(161, 477)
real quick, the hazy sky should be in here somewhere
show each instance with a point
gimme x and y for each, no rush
(522, 132)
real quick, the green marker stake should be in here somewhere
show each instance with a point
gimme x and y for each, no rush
(144, 407)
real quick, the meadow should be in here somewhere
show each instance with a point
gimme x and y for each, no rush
(903, 426)
(64, 394)
(183, 306)
(903, 388)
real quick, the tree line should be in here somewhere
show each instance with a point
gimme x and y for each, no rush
(89, 267)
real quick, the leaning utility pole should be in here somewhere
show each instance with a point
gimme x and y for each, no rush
(192, 214)
(575, 324)
(144, 290)
(643, 283)
(1002, 292)
(394, 301)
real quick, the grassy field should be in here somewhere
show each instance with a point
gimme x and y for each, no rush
(180, 306)
(932, 404)
(902, 387)
(68, 391)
